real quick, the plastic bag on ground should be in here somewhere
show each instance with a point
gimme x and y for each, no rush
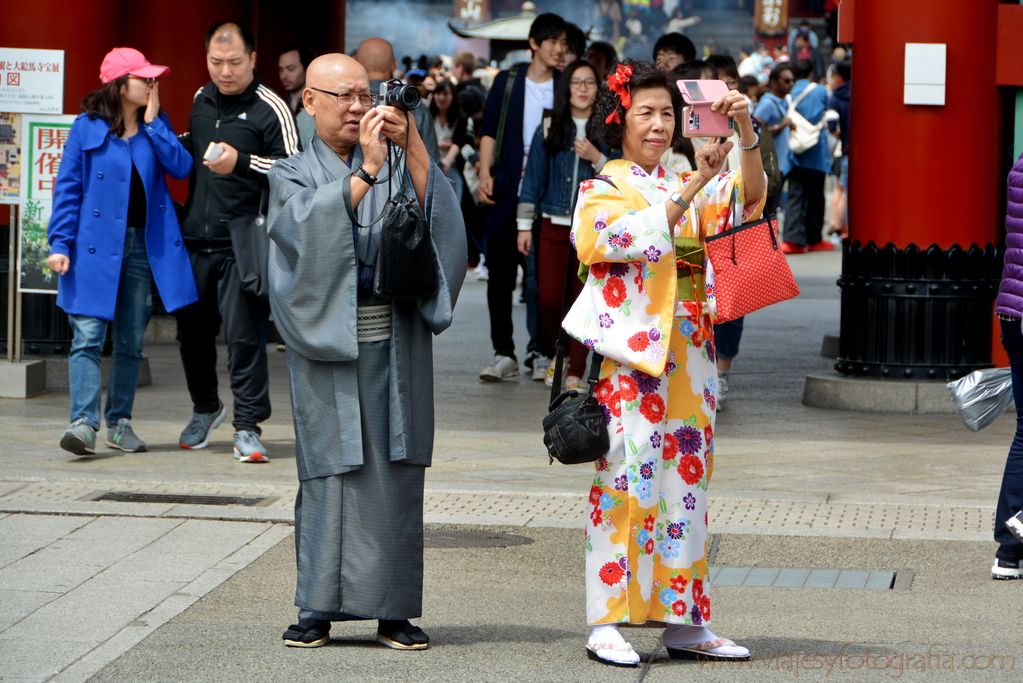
(981, 396)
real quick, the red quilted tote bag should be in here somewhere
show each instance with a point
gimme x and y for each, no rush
(750, 270)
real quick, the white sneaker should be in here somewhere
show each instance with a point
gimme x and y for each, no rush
(481, 271)
(540, 365)
(503, 367)
(722, 390)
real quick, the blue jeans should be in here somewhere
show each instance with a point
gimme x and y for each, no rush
(1010, 497)
(131, 315)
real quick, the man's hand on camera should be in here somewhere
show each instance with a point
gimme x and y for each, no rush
(399, 127)
(374, 147)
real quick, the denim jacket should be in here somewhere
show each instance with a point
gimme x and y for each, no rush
(548, 179)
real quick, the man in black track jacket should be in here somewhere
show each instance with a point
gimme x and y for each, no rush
(252, 127)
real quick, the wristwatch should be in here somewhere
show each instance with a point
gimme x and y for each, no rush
(363, 175)
(682, 203)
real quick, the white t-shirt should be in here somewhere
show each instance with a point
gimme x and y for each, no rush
(539, 96)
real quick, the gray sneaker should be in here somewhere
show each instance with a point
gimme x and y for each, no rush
(503, 367)
(80, 438)
(722, 390)
(248, 447)
(122, 437)
(197, 432)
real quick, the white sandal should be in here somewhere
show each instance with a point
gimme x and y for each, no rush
(607, 649)
(714, 648)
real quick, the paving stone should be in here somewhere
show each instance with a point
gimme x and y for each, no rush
(37, 659)
(94, 611)
(191, 558)
(21, 535)
(16, 605)
(851, 578)
(731, 576)
(821, 578)
(761, 576)
(879, 580)
(791, 577)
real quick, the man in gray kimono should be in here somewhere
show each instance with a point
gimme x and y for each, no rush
(360, 367)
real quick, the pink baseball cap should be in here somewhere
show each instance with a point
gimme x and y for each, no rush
(127, 61)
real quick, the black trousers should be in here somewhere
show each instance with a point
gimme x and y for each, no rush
(245, 317)
(804, 214)
(1010, 496)
(503, 260)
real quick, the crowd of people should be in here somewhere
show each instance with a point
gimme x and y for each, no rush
(570, 167)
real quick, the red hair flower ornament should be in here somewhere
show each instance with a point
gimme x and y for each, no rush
(618, 83)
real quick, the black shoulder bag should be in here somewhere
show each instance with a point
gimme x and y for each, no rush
(406, 267)
(574, 430)
(250, 243)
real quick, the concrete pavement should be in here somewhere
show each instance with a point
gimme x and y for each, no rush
(834, 489)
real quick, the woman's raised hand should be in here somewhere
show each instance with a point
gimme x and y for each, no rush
(710, 158)
(153, 104)
(735, 106)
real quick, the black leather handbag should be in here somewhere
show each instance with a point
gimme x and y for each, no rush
(406, 267)
(574, 430)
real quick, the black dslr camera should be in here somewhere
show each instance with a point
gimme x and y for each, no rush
(394, 93)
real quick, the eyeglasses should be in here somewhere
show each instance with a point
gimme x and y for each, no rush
(582, 85)
(148, 81)
(345, 99)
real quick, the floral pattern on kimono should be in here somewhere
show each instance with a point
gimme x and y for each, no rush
(647, 529)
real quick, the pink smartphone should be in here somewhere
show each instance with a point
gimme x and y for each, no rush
(698, 121)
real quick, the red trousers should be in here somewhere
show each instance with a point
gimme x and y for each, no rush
(555, 252)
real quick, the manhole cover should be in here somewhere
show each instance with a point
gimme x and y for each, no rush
(461, 538)
(177, 498)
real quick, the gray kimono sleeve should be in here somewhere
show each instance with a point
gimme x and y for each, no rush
(447, 230)
(312, 269)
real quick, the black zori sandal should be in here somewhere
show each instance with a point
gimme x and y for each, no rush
(401, 635)
(307, 633)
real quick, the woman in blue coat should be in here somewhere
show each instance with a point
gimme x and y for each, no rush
(112, 232)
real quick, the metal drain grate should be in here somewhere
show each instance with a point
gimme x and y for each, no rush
(796, 577)
(178, 498)
(469, 538)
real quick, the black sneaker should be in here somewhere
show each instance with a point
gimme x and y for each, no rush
(401, 635)
(1006, 570)
(307, 633)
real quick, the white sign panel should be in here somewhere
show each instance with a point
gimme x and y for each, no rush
(925, 74)
(31, 81)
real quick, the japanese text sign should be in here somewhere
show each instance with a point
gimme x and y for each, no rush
(43, 141)
(31, 81)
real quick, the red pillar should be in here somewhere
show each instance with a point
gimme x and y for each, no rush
(925, 174)
(84, 30)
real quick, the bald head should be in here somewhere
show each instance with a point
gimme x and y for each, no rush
(327, 71)
(337, 121)
(377, 55)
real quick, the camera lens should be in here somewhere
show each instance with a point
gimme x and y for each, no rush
(409, 97)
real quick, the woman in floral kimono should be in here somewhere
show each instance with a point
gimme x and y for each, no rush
(648, 307)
